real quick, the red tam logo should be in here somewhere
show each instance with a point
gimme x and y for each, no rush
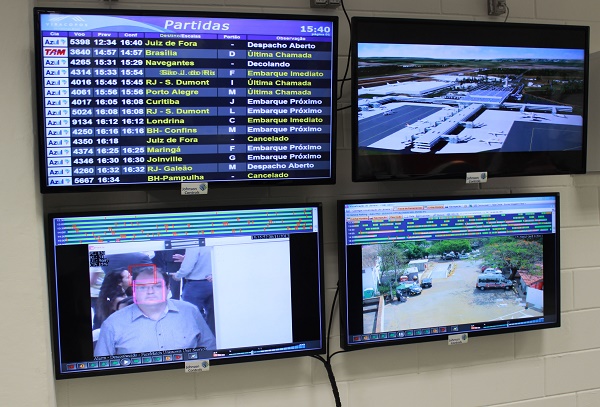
(55, 52)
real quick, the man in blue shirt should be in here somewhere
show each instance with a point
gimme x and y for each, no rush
(153, 322)
(196, 268)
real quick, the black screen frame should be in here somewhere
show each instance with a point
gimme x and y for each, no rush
(69, 299)
(173, 185)
(383, 165)
(351, 287)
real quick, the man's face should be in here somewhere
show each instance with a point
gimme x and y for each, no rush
(149, 288)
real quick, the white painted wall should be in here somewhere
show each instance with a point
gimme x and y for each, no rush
(551, 368)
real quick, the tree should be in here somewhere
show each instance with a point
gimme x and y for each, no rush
(514, 253)
(413, 250)
(451, 245)
(392, 259)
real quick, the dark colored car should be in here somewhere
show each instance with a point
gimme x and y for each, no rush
(426, 283)
(408, 290)
(449, 256)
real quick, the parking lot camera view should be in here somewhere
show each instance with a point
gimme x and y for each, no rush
(419, 270)
(484, 283)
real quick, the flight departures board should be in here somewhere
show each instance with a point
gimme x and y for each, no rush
(133, 99)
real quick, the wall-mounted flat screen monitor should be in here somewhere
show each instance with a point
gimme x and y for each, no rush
(133, 99)
(149, 290)
(440, 99)
(416, 270)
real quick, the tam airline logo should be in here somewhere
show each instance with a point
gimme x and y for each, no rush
(57, 52)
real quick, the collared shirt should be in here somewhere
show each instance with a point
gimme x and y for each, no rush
(197, 264)
(130, 331)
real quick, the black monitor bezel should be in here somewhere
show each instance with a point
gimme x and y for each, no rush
(147, 186)
(343, 282)
(53, 296)
(384, 166)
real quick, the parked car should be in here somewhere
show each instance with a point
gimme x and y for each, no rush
(463, 256)
(449, 256)
(427, 283)
(408, 290)
(492, 270)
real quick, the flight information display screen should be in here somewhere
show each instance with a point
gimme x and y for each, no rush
(163, 98)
